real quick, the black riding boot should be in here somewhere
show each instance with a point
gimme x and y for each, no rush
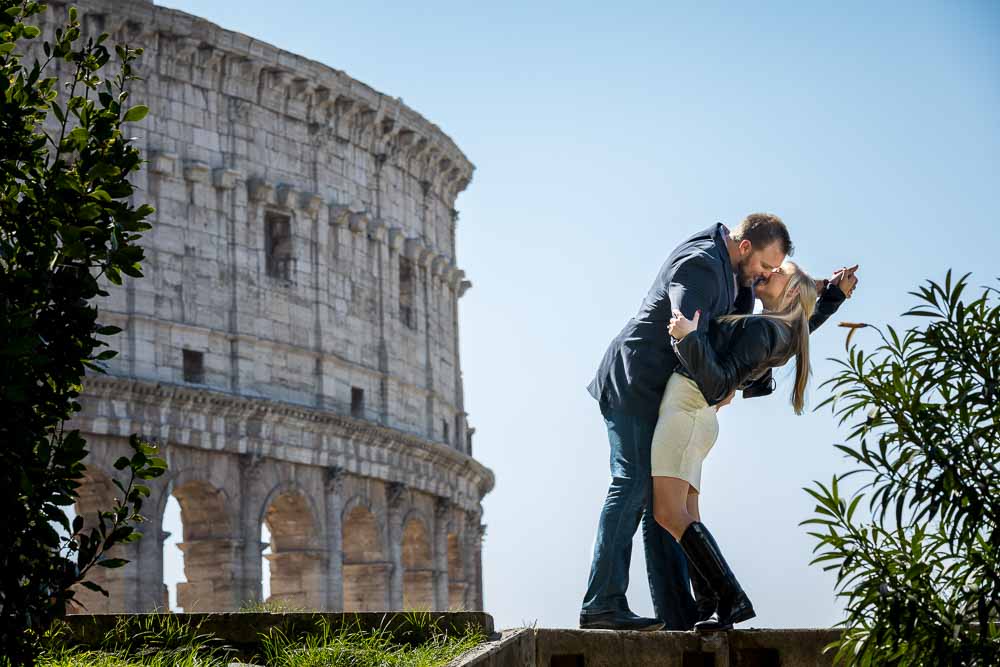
(704, 555)
(705, 601)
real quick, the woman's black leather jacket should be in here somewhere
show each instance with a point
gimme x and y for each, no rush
(734, 353)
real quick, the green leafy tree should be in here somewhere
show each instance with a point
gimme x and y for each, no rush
(67, 222)
(919, 571)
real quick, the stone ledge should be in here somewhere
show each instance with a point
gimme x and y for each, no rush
(529, 647)
(226, 424)
(509, 648)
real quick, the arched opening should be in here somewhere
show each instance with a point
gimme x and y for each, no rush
(457, 585)
(96, 493)
(365, 569)
(418, 567)
(209, 549)
(265, 561)
(295, 560)
(173, 557)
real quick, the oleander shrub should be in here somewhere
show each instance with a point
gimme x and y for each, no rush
(915, 541)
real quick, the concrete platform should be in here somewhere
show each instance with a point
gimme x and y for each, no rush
(519, 647)
(530, 647)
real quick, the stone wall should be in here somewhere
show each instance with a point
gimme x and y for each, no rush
(293, 345)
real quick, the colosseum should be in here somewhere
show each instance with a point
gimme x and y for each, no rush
(293, 346)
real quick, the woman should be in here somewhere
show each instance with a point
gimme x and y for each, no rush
(714, 364)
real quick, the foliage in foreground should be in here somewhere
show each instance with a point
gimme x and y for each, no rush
(367, 649)
(67, 222)
(920, 571)
(271, 606)
(168, 642)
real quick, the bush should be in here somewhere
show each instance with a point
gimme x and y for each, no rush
(67, 222)
(920, 571)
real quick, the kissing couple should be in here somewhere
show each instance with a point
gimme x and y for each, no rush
(693, 344)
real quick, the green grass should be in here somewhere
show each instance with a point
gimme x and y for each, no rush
(166, 642)
(363, 649)
(270, 606)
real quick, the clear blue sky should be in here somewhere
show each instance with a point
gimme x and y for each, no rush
(603, 134)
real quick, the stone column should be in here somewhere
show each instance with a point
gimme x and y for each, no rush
(334, 587)
(378, 235)
(446, 431)
(211, 567)
(225, 181)
(394, 325)
(442, 510)
(475, 530)
(149, 588)
(462, 422)
(335, 250)
(311, 204)
(394, 502)
(297, 577)
(429, 313)
(162, 602)
(249, 570)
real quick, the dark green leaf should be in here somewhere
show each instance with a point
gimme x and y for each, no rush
(136, 113)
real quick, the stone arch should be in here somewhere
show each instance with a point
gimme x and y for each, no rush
(191, 475)
(366, 567)
(95, 494)
(209, 543)
(418, 563)
(297, 557)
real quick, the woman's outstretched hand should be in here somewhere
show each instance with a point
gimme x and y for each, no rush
(681, 326)
(845, 278)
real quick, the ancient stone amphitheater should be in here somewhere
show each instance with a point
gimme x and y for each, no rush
(293, 346)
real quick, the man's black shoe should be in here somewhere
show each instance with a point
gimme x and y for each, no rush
(618, 620)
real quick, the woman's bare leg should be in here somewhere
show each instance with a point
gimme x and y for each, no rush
(692, 504)
(670, 507)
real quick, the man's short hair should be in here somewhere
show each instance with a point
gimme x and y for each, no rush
(763, 229)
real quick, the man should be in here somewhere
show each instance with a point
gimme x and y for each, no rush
(713, 271)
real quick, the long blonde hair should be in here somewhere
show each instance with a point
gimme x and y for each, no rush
(796, 317)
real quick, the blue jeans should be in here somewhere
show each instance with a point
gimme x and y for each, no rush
(630, 499)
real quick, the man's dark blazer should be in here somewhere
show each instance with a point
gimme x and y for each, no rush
(698, 275)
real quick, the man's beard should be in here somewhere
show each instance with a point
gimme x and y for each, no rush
(745, 278)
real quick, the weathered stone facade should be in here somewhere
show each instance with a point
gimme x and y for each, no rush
(294, 344)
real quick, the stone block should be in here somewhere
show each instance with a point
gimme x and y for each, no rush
(259, 190)
(225, 179)
(196, 171)
(162, 163)
(310, 202)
